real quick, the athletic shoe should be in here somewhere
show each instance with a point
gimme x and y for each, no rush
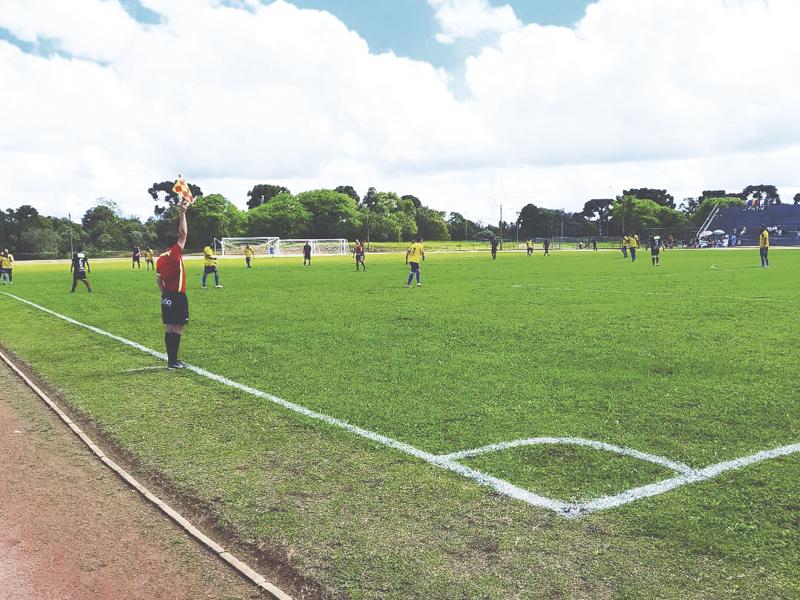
(204, 287)
(408, 285)
(218, 286)
(419, 285)
(176, 365)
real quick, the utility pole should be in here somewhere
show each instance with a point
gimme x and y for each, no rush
(71, 249)
(501, 226)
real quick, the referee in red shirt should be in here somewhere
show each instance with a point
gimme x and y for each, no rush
(171, 278)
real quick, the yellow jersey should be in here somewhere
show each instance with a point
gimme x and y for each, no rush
(633, 242)
(8, 262)
(148, 255)
(248, 252)
(415, 253)
(764, 240)
(209, 260)
(529, 244)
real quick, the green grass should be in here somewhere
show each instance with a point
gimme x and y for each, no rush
(686, 361)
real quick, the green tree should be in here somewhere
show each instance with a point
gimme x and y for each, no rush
(263, 193)
(598, 208)
(348, 190)
(104, 227)
(461, 228)
(636, 215)
(283, 216)
(213, 216)
(431, 224)
(333, 215)
(660, 197)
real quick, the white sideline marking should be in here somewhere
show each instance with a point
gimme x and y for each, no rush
(448, 462)
(499, 485)
(572, 441)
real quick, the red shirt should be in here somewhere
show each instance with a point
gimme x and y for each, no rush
(359, 248)
(170, 268)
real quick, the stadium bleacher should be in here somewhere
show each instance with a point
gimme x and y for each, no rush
(782, 220)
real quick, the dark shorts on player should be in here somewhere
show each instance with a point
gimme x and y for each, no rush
(208, 270)
(174, 308)
(655, 251)
(79, 276)
(360, 257)
(414, 267)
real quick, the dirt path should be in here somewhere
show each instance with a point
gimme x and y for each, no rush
(70, 530)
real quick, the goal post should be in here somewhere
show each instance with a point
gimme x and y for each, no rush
(261, 246)
(275, 246)
(321, 247)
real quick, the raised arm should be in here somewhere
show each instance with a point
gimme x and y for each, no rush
(183, 228)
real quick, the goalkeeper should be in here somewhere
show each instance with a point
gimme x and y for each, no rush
(210, 266)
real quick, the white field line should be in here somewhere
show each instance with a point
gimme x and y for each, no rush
(243, 569)
(499, 485)
(704, 474)
(564, 509)
(572, 441)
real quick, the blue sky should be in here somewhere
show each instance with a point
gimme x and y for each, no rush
(286, 96)
(408, 27)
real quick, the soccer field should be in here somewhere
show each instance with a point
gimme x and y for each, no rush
(527, 427)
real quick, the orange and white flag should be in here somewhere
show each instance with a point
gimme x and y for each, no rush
(182, 189)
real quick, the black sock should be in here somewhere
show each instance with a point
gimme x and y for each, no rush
(168, 344)
(172, 341)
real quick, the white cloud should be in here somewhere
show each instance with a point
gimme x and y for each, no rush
(682, 94)
(467, 19)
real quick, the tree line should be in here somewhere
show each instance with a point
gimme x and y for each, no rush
(341, 213)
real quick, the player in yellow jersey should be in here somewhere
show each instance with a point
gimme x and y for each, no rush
(148, 259)
(210, 266)
(248, 255)
(625, 246)
(414, 255)
(763, 244)
(529, 245)
(7, 267)
(633, 244)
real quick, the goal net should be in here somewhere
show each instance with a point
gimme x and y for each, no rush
(318, 247)
(275, 246)
(261, 246)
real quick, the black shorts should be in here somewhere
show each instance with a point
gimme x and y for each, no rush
(211, 269)
(79, 276)
(174, 308)
(306, 257)
(359, 257)
(655, 251)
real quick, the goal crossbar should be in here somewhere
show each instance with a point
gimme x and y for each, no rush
(275, 246)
